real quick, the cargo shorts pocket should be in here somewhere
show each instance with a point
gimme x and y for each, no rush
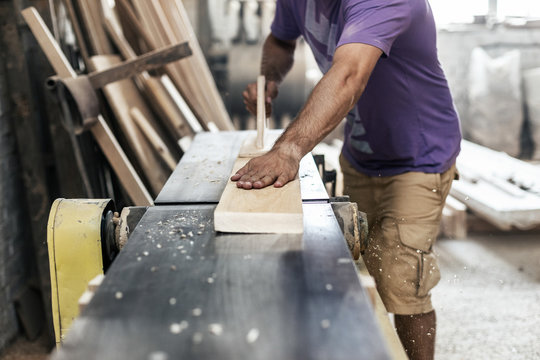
(418, 239)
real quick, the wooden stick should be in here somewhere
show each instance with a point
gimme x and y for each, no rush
(102, 133)
(261, 111)
(153, 137)
(122, 96)
(175, 118)
(77, 29)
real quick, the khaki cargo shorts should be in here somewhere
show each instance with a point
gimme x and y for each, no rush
(404, 212)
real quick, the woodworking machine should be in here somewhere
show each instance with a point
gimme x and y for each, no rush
(179, 290)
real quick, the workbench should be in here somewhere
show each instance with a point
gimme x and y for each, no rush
(179, 290)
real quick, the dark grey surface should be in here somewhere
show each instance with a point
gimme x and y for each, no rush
(204, 170)
(282, 285)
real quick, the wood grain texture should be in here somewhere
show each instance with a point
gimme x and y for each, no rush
(162, 102)
(153, 137)
(264, 282)
(261, 113)
(250, 148)
(204, 170)
(122, 96)
(106, 140)
(267, 210)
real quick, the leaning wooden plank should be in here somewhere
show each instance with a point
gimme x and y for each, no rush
(91, 19)
(122, 96)
(153, 137)
(121, 165)
(268, 210)
(183, 79)
(163, 104)
(147, 36)
(190, 74)
(149, 61)
(105, 138)
(222, 117)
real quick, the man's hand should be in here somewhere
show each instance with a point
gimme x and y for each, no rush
(250, 97)
(276, 167)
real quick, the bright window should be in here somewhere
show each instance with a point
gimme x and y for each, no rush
(457, 11)
(463, 11)
(525, 8)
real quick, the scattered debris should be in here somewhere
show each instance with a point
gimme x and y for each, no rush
(196, 312)
(118, 295)
(252, 335)
(197, 338)
(325, 324)
(158, 355)
(175, 328)
(215, 329)
(172, 301)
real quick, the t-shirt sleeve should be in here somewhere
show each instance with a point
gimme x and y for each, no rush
(284, 26)
(374, 22)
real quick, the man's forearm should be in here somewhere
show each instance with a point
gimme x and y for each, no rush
(277, 58)
(331, 100)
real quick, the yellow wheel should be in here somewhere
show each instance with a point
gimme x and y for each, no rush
(80, 239)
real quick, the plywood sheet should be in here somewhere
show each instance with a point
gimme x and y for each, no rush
(268, 210)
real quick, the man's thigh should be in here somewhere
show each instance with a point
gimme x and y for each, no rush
(404, 215)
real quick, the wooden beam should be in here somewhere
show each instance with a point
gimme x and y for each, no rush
(122, 96)
(261, 112)
(149, 61)
(118, 160)
(153, 137)
(268, 210)
(174, 117)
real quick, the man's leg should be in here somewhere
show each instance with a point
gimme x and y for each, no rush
(404, 213)
(417, 334)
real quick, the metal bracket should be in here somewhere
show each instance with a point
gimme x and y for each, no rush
(328, 176)
(353, 223)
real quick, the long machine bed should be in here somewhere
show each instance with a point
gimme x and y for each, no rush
(179, 290)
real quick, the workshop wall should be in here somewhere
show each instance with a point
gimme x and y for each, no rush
(15, 254)
(455, 48)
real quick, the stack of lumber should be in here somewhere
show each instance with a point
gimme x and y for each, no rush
(154, 114)
(500, 189)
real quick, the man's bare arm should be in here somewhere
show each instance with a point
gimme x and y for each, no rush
(277, 60)
(331, 100)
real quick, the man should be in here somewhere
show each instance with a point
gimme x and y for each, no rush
(401, 140)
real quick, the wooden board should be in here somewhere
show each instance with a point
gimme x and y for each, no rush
(122, 96)
(105, 138)
(268, 210)
(212, 156)
(250, 148)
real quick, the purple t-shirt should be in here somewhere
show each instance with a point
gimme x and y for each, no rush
(405, 120)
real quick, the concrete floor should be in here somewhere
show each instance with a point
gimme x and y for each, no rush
(488, 300)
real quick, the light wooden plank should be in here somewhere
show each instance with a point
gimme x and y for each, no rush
(249, 147)
(261, 112)
(153, 137)
(47, 43)
(174, 117)
(128, 177)
(222, 118)
(121, 165)
(268, 210)
(122, 96)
